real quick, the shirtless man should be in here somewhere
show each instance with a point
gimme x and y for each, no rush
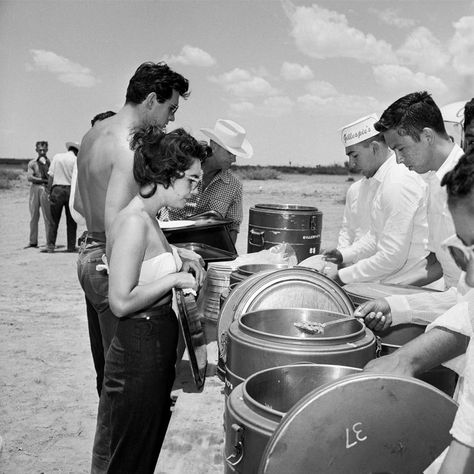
(106, 185)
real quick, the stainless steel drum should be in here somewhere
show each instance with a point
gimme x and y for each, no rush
(273, 224)
(271, 337)
(244, 271)
(255, 408)
(296, 287)
(396, 336)
(364, 423)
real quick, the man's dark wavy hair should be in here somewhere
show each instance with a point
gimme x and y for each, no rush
(158, 78)
(469, 112)
(161, 158)
(459, 181)
(410, 114)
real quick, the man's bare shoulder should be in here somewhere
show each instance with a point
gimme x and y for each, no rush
(109, 143)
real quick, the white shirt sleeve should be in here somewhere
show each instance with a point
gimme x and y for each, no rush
(399, 205)
(347, 232)
(75, 215)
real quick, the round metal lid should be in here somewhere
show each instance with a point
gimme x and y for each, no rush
(250, 269)
(380, 290)
(296, 287)
(286, 207)
(366, 423)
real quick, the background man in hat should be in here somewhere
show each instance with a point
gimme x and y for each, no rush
(60, 175)
(219, 190)
(37, 175)
(393, 250)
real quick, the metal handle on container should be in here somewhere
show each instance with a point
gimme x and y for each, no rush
(378, 347)
(256, 235)
(238, 453)
(313, 223)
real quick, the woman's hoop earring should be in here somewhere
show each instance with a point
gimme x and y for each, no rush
(149, 193)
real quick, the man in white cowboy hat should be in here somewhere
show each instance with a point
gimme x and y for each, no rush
(393, 249)
(60, 175)
(219, 190)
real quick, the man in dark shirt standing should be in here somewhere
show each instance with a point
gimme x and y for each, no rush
(38, 177)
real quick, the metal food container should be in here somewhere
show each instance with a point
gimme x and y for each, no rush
(296, 287)
(269, 338)
(207, 252)
(273, 224)
(208, 228)
(256, 407)
(396, 336)
(363, 423)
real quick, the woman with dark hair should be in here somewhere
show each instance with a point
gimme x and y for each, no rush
(143, 270)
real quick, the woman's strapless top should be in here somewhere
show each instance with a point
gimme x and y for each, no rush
(157, 267)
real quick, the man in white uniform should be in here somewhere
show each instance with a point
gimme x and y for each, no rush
(393, 250)
(414, 128)
(450, 337)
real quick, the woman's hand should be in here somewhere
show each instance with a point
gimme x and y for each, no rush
(195, 268)
(185, 280)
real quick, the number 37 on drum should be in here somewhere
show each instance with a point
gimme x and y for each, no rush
(354, 435)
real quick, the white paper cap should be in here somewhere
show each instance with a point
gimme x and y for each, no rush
(360, 130)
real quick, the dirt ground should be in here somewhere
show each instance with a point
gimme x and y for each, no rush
(48, 400)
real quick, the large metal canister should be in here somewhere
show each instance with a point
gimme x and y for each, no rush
(396, 336)
(255, 408)
(269, 338)
(273, 224)
(362, 423)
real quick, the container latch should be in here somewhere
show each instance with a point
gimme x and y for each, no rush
(236, 457)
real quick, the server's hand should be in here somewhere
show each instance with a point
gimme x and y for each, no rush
(376, 314)
(333, 256)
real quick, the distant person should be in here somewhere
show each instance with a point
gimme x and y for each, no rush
(76, 215)
(220, 190)
(60, 175)
(143, 271)
(37, 175)
(393, 249)
(106, 185)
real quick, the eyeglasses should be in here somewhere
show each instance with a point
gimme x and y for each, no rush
(193, 182)
(173, 108)
(460, 253)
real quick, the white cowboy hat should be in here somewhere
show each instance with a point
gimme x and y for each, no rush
(231, 136)
(72, 144)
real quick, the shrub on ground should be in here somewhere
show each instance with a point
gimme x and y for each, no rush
(7, 176)
(255, 172)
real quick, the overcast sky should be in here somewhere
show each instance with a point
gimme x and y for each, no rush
(291, 73)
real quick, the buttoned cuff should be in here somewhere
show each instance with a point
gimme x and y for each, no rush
(400, 309)
(345, 275)
(348, 255)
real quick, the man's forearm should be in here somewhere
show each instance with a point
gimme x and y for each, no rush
(432, 349)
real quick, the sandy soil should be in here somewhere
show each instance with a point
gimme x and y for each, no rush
(48, 400)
